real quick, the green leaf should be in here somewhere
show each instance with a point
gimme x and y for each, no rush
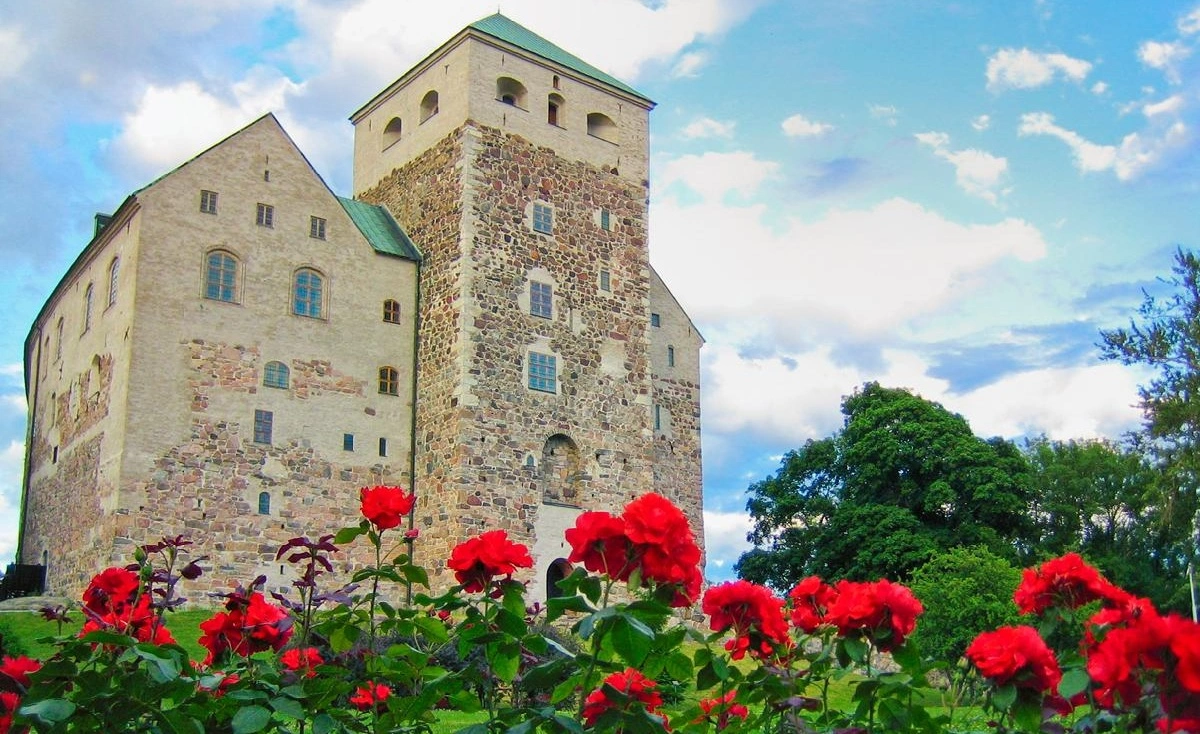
(1028, 714)
(856, 649)
(679, 666)
(630, 641)
(347, 535)
(505, 660)
(323, 724)
(49, 711)
(560, 605)
(250, 719)
(908, 657)
(1074, 681)
(1004, 696)
(164, 668)
(288, 707)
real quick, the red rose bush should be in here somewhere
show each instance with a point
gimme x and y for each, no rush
(640, 660)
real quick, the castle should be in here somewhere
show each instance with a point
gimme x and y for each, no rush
(238, 350)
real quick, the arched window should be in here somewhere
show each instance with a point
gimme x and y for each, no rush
(429, 105)
(89, 297)
(510, 91)
(554, 109)
(561, 469)
(391, 311)
(275, 374)
(220, 277)
(264, 503)
(306, 293)
(389, 381)
(391, 133)
(600, 125)
(113, 268)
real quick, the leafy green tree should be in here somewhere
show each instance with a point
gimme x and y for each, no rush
(964, 591)
(1165, 336)
(903, 480)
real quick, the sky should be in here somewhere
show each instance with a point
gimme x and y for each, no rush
(953, 197)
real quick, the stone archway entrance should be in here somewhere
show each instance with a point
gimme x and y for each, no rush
(561, 470)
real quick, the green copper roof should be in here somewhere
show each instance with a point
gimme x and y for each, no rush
(380, 229)
(506, 30)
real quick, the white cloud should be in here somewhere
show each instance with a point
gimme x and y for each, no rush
(14, 51)
(886, 113)
(1169, 106)
(1088, 156)
(737, 172)
(725, 540)
(706, 127)
(689, 64)
(1165, 57)
(1072, 402)
(12, 468)
(1024, 69)
(793, 397)
(981, 123)
(1099, 88)
(1189, 24)
(977, 172)
(910, 259)
(799, 126)
(1137, 153)
(172, 124)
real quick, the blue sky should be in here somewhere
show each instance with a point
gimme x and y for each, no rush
(948, 196)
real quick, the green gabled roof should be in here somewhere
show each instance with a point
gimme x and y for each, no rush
(518, 35)
(380, 229)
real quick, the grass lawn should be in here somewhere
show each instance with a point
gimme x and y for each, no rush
(28, 633)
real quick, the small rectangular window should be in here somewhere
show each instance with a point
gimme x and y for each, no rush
(605, 280)
(655, 320)
(541, 299)
(382, 446)
(316, 228)
(208, 202)
(263, 420)
(605, 220)
(670, 356)
(347, 442)
(266, 215)
(543, 218)
(543, 372)
(658, 417)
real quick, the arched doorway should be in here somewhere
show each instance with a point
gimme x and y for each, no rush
(556, 572)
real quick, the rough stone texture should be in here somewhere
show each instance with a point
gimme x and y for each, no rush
(142, 419)
(592, 442)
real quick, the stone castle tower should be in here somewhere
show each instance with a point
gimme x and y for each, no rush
(529, 364)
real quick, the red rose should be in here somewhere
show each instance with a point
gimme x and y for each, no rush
(1122, 657)
(9, 702)
(19, 668)
(753, 613)
(1064, 582)
(1016, 655)
(479, 560)
(301, 660)
(139, 621)
(881, 611)
(385, 507)
(110, 590)
(1185, 647)
(370, 696)
(811, 599)
(598, 541)
(719, 711)
(249, 626)
(637, 691)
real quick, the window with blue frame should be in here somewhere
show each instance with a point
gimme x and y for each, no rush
(264, 503)
(276, 374)
(543, 372)
(263, 423)
(306, 293)
(541, 299)
(220, 277)
(543, 218)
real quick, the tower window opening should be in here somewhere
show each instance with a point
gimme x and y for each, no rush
(600, 125)
(429, 105)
